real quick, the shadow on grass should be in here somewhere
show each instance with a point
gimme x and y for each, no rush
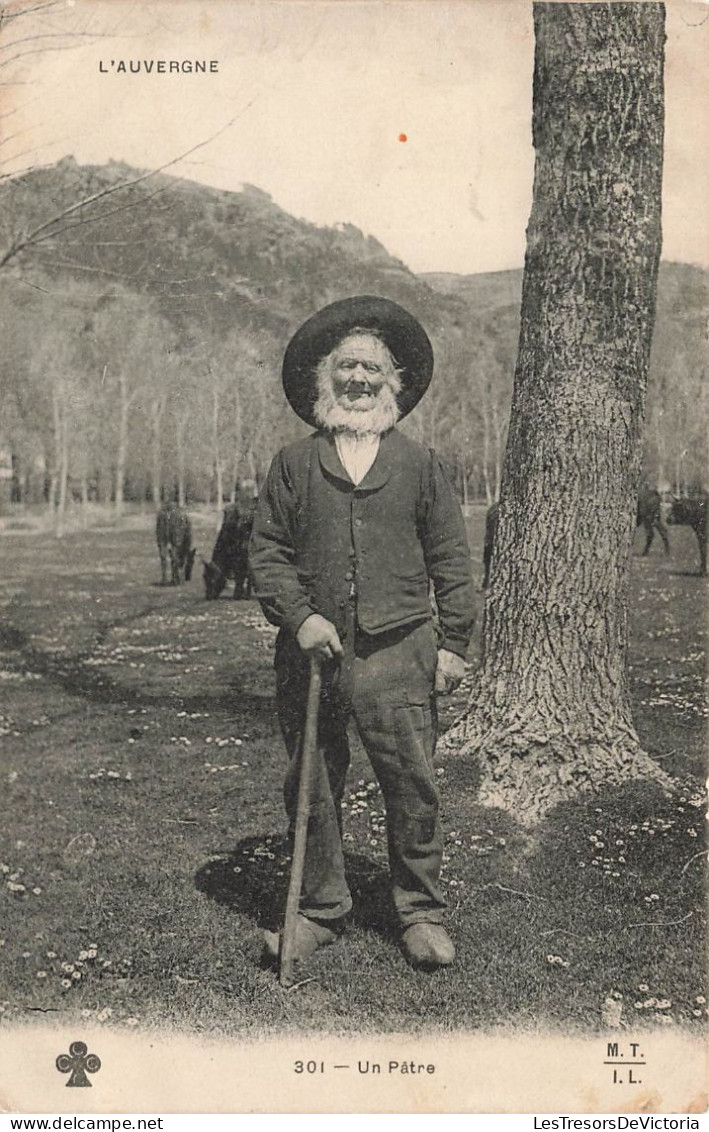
(253, 880)
(73, 675)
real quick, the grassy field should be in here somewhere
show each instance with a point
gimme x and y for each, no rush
(142, 838)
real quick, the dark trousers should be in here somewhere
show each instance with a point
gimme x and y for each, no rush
(386, 685)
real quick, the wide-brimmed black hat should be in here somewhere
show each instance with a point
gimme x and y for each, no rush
(400, 331)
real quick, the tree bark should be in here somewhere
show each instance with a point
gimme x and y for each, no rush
(550, 717)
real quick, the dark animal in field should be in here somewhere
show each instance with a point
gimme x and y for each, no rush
(649, 517)
(230, 557)
(174, 537)
(490, 531)
(691, 511)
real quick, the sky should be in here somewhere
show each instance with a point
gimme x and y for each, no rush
(410, 119)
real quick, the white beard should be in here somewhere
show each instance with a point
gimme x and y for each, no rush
(336, 417)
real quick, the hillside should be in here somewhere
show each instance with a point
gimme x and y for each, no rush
(209, 254)
(191, 294)
(202, 252)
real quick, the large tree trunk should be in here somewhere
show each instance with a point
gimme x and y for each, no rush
(551, 716)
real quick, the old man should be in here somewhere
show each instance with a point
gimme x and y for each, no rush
(353, 525)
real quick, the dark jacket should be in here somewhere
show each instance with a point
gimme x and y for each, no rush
(319, 539)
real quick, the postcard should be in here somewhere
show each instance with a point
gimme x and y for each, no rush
(353, 510)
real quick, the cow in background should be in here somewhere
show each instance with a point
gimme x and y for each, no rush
(691, 511)
(230, 557)
(173, 532)
(649, 516)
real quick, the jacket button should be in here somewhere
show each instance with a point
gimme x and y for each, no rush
(359, 522)
(349, 576)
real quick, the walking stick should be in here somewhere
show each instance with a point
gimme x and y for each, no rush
(307, 764)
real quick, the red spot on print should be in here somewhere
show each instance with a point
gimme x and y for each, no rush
(403, 138)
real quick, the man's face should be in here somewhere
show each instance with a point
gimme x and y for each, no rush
(358, 371)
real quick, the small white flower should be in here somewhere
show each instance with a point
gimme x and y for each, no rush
(41, 974)
(65, 983)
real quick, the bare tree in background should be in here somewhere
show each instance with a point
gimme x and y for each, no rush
(550, 716)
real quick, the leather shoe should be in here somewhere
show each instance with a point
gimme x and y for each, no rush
(309, 936)
(428, 945)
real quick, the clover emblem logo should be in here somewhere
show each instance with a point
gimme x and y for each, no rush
(78, 1061)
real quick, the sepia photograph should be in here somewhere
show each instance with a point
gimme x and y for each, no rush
(353, 609)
